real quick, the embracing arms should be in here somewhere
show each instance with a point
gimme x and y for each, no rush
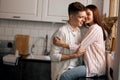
(64, 56)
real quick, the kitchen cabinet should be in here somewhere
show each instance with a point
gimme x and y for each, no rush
(8, 72)
(36, 70)
(27, 69)
(57, 10)
(21, 9)
(39, 10)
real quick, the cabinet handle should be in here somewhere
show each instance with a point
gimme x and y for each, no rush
(16, 16)
(65, 20)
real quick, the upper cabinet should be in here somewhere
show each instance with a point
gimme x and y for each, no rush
(37, 10)
(57, 10)
(21, 9)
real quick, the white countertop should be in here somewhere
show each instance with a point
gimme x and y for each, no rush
(39, 57)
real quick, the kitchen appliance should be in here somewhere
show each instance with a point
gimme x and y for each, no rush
(6, 47)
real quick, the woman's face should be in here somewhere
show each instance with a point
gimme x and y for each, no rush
(89, 18)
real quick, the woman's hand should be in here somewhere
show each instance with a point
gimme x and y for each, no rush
(59, 42)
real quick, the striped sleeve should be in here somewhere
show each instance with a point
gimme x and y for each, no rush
(90, 37)
(73, 47)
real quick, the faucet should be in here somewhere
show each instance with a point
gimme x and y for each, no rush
(45, 51)
(46, 46)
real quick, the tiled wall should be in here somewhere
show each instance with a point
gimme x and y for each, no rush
(36, 30)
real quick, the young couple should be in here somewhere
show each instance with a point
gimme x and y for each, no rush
(67, 45)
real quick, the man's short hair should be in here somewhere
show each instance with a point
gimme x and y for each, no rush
(75, 7)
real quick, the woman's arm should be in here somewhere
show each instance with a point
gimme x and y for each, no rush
(77, 54)
(59, 42)
(56, 54)
(92, 35)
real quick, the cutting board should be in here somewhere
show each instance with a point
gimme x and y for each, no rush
(21, 44)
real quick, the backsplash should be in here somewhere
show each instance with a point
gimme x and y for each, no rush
(36, 30)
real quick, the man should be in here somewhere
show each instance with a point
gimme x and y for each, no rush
(65, 62)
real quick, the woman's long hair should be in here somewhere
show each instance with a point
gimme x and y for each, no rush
(96, 17)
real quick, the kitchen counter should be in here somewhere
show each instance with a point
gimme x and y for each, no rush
(38, 57)
(35, 57)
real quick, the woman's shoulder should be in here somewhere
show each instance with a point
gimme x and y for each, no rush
(96, 26)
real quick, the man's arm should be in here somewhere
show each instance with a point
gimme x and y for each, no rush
(77, 54)
(57, 56)
(59, 42)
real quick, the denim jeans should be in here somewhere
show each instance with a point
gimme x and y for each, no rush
(74, 73)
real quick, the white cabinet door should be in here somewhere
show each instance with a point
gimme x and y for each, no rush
(21, 9)
(57, 10)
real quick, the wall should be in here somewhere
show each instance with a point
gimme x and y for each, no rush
(106, 7)
(99, 4)
(36, 30)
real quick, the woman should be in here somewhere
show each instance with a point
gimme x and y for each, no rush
(93, 43)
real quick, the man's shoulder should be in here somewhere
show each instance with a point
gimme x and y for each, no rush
(61, 30)
(64, 27)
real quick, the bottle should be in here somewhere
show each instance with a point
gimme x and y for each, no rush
(17, 53)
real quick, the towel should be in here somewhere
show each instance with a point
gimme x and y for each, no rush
(10, 59)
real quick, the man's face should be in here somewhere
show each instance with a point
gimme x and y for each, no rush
(79, 18)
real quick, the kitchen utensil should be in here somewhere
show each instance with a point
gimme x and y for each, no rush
(21, 44)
